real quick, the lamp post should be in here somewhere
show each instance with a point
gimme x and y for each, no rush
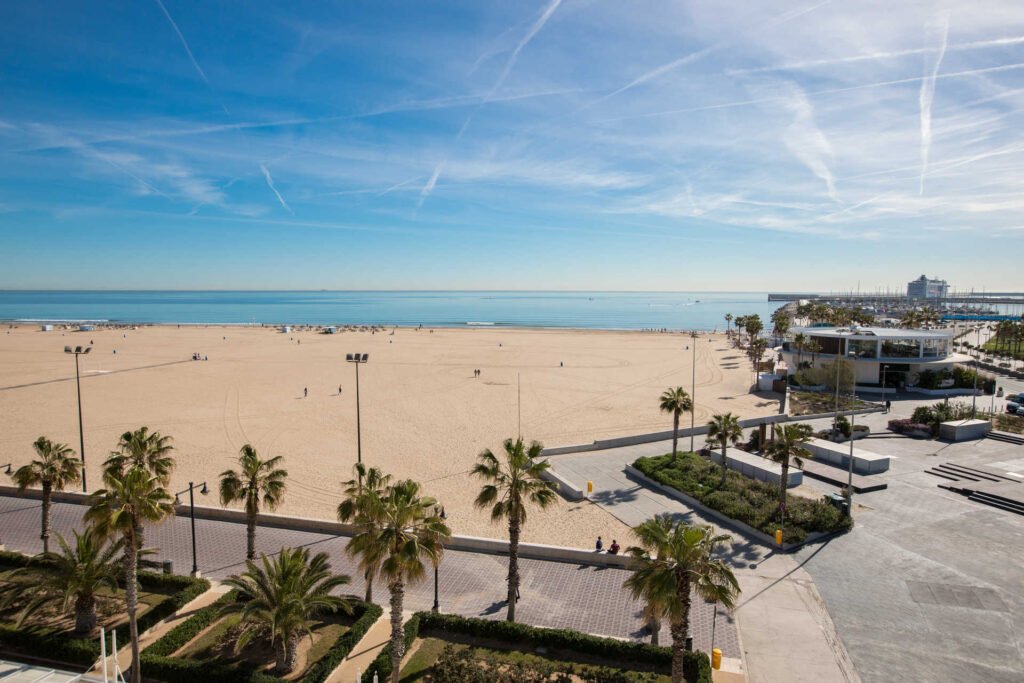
(7, 470)
(192, 513)
(885, 367)
(853, 419)
(835, 422)
(358, 358)
(437, 603)
(693, 386)
(76, 352)
(974, 394)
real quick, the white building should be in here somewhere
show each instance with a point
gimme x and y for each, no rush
(903, 354)
(923, 288)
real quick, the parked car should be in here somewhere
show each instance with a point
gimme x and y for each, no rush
(1016, 398)
(1012, 407)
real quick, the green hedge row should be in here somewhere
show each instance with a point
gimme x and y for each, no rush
(382, 664)
(157, 661)
(65, 647)
(696, 666)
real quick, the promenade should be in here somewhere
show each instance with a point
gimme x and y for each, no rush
(554, 594)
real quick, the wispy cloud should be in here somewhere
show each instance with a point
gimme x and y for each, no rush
(270, 184)
(927, 97)
(431, 183)
(184, 43)
(806, 141)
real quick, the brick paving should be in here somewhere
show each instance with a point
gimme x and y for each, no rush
(553, 594)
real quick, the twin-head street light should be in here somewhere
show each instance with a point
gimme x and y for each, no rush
(192, 513)
(358, 358)
(78, 351)
(437, 604)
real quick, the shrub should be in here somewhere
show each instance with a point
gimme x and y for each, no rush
(907, 426)
(696, 665)
(754, 503)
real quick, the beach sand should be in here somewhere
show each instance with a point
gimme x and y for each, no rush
(424, 414)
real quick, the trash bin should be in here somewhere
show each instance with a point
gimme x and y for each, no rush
(168, 566)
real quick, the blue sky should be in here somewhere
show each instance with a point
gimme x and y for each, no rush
(573, 144)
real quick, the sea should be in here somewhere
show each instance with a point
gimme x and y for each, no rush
(583, 310)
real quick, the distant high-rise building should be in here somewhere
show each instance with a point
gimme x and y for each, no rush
(923, 288)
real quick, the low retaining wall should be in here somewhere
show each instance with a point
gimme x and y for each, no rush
(756, 467)
(964, 430)
(837, 454)
(565, 488)
(492, 546)
(945, 392)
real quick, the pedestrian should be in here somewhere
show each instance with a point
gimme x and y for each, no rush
(561, 364)
(888, 406)
(305, 392)
(339, 390)
(613, 549)
(599, 545)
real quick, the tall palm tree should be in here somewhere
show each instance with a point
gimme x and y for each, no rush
(283, 596)
(73, 576)
(409, 530)
(675, 401)
(723, 431)
(255, 479)
(674, 558)
(788, 447)
(656, 608)
(124, 507)
(357, 508)
(753, 325)
(780, 323)
(757, 348)
(141, 448)
(55, 468)
(800, 344)
(510, 486)
(728, 322)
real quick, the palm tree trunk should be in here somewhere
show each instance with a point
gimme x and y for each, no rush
(85, 614)
(725, 463)
(513, 567)
(369, 586)
(655, 630)
(675, 433)
(680, 626)
(291, 658)
(45, 535)
(250, 535)
(131, 595)
(397, 633)
(281, 655)
(783, 482)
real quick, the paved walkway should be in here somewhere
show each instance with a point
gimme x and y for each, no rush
(785, 631)
(554, 594)
(365, 651)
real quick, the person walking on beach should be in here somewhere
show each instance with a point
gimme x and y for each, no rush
(305, 392)
(339, 390)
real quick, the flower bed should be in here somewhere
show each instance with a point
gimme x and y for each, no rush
(754, 503)
(910, 428)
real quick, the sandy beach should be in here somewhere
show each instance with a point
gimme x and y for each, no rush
(424, 414)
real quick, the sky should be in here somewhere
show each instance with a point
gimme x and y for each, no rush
(538, 144)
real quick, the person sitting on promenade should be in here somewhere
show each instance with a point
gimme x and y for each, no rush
(599, 545)
(613, 549)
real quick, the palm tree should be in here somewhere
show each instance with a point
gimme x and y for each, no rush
(510, 486)
(358, 508)
(255, 479)
(724, 430)
(73, 576)
(409, 530)
(675, 401)
(800, 344)
(814, 348)
(124, 507)
(780, 322)
(655, 606)
(788, 447)
(55, 468)
(753, 325)
(674, 558)
(757, 348)
(141, 448)
(728, 322)
(283, 596)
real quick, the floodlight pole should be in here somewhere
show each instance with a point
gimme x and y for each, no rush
(78, 386)
(358, 358)
(693, 386)
(853, 418)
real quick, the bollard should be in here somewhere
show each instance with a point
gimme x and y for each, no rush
(778, 537)
(590, 487)
(716, 659)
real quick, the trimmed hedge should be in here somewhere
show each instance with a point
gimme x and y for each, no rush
(158, 663)
(65, 647)
(696, 665)
(755, 503)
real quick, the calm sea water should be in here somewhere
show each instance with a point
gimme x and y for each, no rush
(592, 310)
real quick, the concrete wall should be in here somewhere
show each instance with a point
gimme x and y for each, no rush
(964, 430)
(565, 488)
(491, 546)
(839, 455)
(756, 467)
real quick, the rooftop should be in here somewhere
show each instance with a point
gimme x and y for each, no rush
(868, 332)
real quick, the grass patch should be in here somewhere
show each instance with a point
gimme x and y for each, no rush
(815, 403)
(755, 503)
(1005, 422)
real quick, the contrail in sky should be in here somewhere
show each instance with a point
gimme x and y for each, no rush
(184, 42)
(270, 184)
(927, 96)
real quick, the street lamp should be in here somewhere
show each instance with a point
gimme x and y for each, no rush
(358, 358)
(853, 419)
(437, 603)
(7, 470)
(884, 368)
(192, 514)
(974, 394)
(78, 351)
(693, 387)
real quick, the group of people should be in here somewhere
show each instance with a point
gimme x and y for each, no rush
(613, 549)
(476, 373)
(195, 356)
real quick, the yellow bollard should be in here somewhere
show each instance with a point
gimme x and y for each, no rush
(778, 536)
(716, 659)
(590, 487)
